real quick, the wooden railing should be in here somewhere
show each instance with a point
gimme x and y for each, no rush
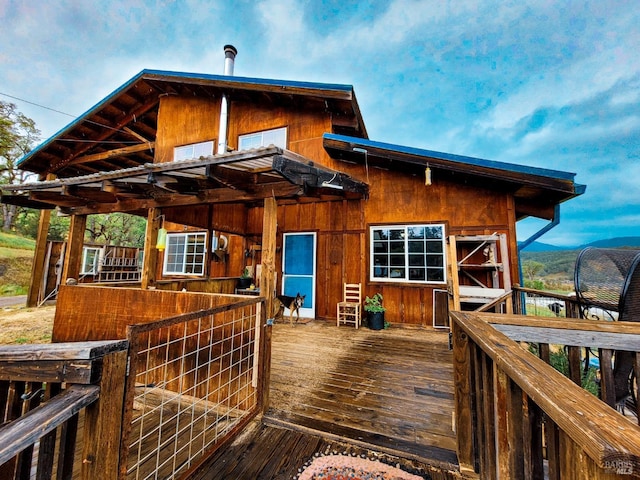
(46, 391)
(517, 417)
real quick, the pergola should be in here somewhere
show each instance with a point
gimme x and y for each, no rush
(261, 176)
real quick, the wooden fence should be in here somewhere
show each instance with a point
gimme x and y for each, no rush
(517, 417)
(46, 391)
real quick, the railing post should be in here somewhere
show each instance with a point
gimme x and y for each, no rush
(463, 406)
(103, 421)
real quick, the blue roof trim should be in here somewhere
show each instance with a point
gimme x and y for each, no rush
(479, 162)
(183, 76)
(251, 80)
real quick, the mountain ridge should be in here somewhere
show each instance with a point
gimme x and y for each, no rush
(616, 242)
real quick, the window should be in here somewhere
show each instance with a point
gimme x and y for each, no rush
(90, 259)
(195, 150)
(185, 253)
(277, 137)
(409, 253)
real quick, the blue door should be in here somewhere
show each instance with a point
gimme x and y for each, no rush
(299, 270)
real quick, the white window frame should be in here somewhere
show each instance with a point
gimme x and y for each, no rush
(380, 248)
(93, 268)
(264, 138)
(193, 150)
(178, 260)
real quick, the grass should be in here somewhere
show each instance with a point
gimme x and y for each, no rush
(17, 242)
(26, 325)
(16, 255)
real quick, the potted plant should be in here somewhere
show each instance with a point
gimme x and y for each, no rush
(245, 279)
(375, 311)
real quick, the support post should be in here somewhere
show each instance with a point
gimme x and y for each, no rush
(75, 242)
(148, 277)
(267, 285)
(103, 421)
(38, 268)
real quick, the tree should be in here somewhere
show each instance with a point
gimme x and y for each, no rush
(116, 229)
(531, 269)
(18, 134)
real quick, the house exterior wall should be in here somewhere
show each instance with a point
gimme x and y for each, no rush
(342, 226)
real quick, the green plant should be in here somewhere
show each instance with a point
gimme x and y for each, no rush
(245, 273)
(374, 304)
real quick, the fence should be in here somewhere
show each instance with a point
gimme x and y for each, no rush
(193, 382)
(517, 417)
(46, 392)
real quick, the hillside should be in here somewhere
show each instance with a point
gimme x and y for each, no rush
(559, 263)
(16, 255)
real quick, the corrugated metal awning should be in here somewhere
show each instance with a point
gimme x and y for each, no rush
(242, 176)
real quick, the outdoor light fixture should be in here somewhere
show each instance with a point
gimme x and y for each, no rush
(427, 176)
(161, 242)
(162, 239)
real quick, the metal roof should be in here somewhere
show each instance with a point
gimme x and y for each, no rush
(536, 190)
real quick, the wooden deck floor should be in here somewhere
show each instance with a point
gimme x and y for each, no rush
(386, 392)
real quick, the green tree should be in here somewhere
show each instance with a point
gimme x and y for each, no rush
(531, 269)
(18, 134)
(116, 229)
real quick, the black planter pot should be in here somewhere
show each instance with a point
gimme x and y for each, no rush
(375, 320)
(244, 282)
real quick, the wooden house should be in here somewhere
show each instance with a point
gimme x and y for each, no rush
(199, 154)
(234, 173)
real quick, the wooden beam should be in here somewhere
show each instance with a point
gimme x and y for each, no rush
(38, 268)
(267, 283)
(136, 135)
(220, 195)
(75, 242)
(148, 277)
(116, 152)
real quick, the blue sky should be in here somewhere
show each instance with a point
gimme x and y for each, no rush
(552, 84)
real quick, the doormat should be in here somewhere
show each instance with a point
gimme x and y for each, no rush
(342, 467)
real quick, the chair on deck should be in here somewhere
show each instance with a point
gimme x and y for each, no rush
(349, 307)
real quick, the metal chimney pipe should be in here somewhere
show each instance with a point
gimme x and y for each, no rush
(230, 53)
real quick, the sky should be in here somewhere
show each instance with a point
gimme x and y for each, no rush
(546, 83)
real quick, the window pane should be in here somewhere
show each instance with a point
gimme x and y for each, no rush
(185, 253)
(434, 247)
(277, 137)
(416, 232)
(417, 274)
(396, 260)
(416, 247)
(194, 150)
(298, 260)
(434, 275)
(416, 260)
(380, 247)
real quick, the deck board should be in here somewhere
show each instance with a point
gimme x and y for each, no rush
(390, 389)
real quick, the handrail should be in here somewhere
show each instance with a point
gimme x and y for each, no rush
(609, 439)
(31, 427)
(43, 388)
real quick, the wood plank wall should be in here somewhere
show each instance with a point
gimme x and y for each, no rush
(85, 313)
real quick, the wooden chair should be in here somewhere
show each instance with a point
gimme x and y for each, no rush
(349, 308)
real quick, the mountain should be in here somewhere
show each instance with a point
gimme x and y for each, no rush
(617, 242)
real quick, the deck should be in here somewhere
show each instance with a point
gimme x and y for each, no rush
(382, 393)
